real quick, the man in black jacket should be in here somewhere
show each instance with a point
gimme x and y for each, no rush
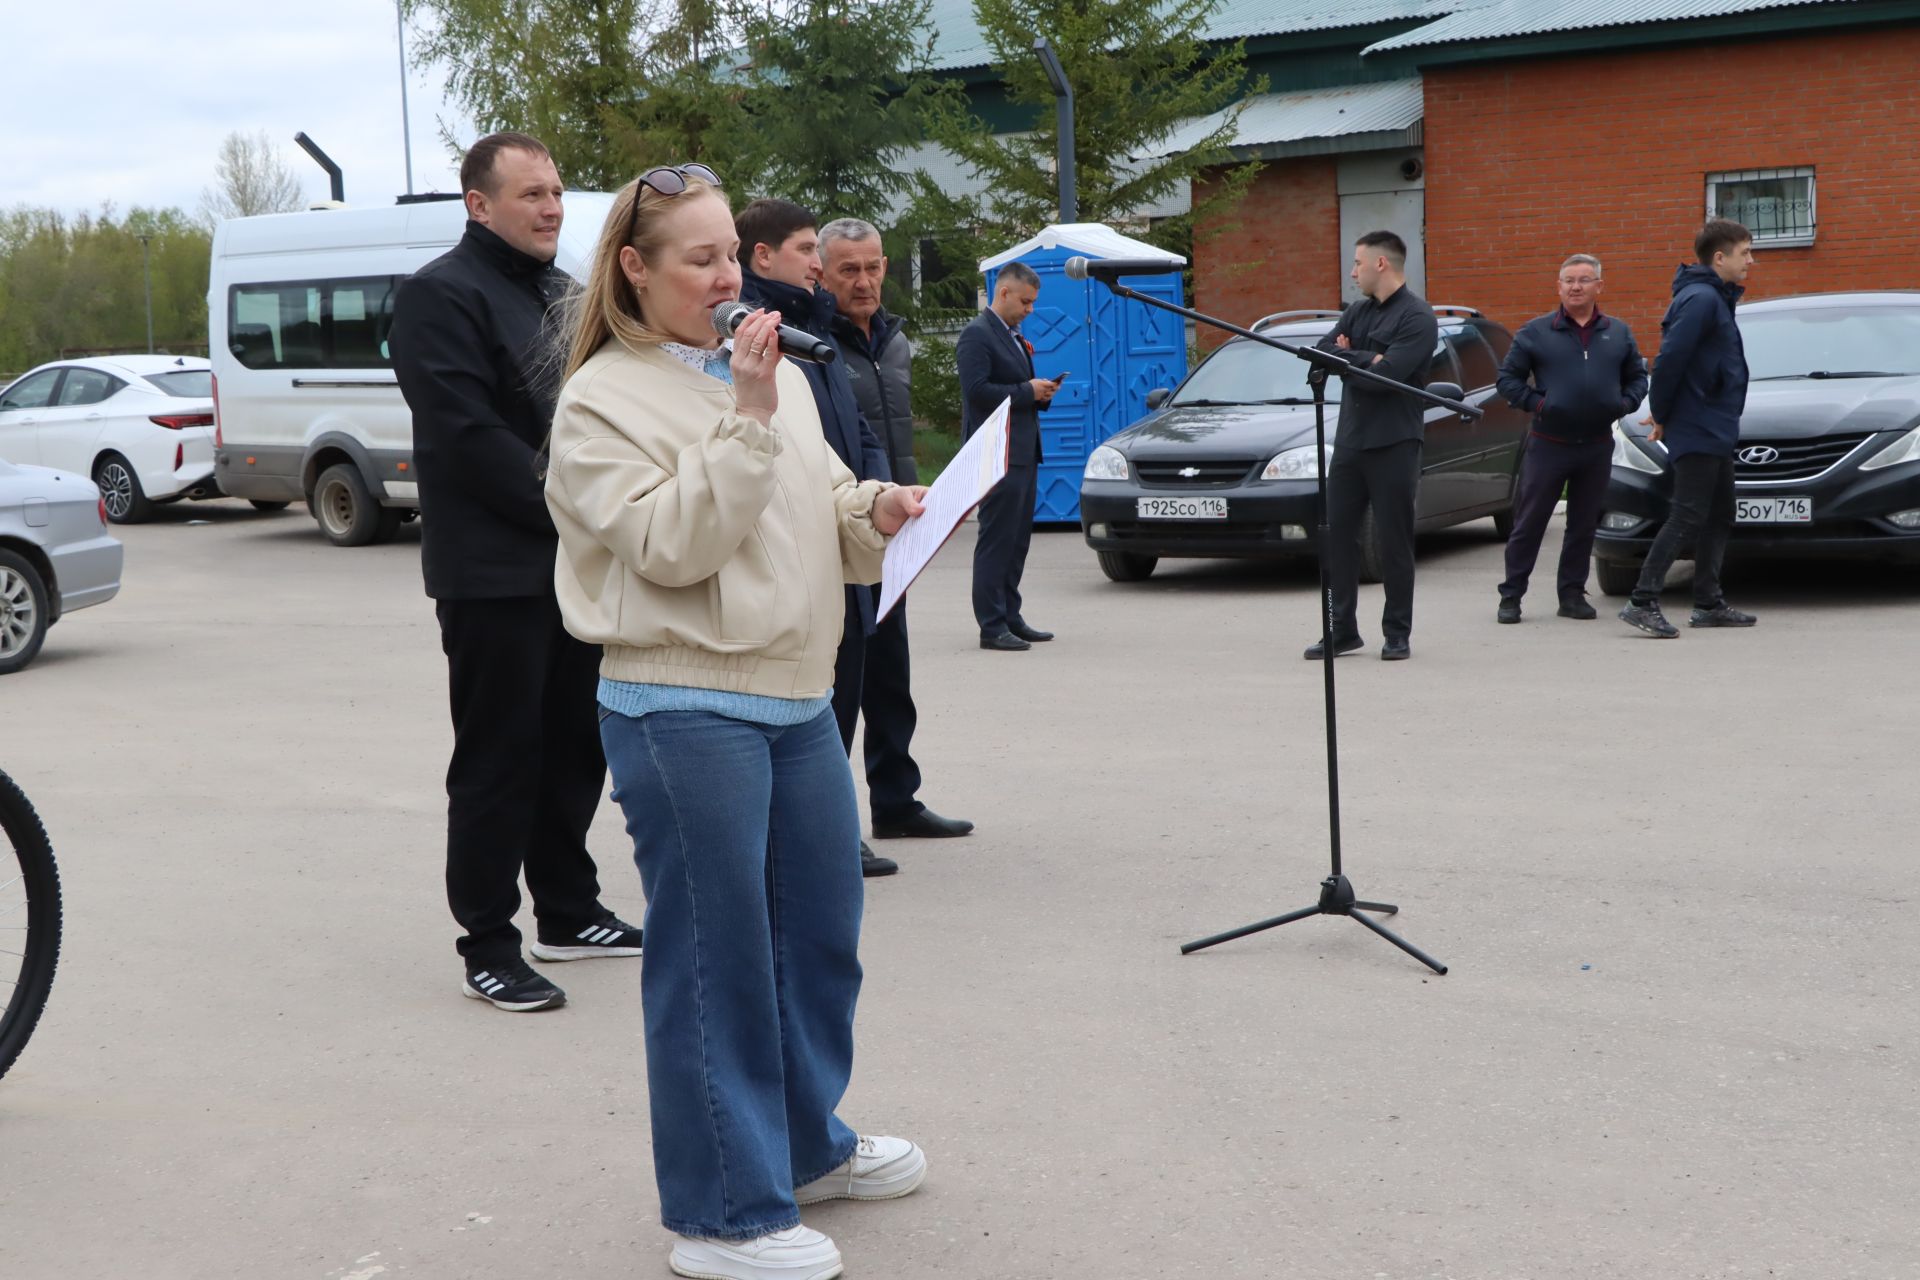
(1699, 393)
(780, 271)
(879, 365)
(470, 350)
(995, 363)
(1376, 451)
(1585, 372)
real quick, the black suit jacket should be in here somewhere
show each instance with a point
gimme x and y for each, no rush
(993, 366)
(846, 428)
(469, 349)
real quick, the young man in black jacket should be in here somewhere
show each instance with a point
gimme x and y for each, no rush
(1576, 370)
(1377, 449)
(1699, 393)
(469, 344)
(780, 270)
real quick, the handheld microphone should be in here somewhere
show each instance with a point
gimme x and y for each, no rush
(797, 343)
(1107, 270)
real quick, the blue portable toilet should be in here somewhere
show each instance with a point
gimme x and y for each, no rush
(1113, 350)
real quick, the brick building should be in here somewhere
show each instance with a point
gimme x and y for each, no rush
(1611, 127)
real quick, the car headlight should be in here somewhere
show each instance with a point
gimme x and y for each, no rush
(1905, 449)
(1294, 464)
(1106, 463)
(1630, 455)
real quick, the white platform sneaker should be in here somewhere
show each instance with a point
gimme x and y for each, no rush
(880, 1169)
(798, 1253)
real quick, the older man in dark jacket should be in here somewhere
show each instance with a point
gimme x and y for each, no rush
(879, 365)
(780, 270)
(1576, 370)
(1699, 393)
(469, 350)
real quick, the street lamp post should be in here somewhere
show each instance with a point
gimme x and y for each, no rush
(146, 278)
(1063, 96)
(406, 131)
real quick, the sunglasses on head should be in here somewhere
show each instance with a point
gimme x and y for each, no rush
(668, 180)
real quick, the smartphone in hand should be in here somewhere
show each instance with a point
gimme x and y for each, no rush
(1058, 378)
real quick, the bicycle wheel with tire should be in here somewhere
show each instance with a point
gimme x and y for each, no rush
(29, 920)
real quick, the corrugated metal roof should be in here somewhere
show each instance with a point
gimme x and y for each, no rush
(952, 174)
(1507, 18)
(958, 43)
(1278, 118)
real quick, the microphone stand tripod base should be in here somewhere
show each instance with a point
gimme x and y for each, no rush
(1336, 899)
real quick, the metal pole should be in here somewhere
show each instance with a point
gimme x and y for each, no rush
(406, 130)
(146, 277)
(1063, 118)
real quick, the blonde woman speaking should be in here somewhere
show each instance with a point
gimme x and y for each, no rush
(706, 533)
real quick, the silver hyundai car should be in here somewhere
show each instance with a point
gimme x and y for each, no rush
(55, 555)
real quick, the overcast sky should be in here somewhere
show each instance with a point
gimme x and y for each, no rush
(127, 101)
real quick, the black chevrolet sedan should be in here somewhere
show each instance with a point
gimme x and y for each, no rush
(1829, 458)
(1225, 465)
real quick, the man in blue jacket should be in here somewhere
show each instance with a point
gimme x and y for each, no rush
(780, 270)
(1699, 392)
(1576, 370)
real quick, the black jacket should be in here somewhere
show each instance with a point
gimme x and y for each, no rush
(881, 371)
(1404, 330)
(1700, 375)
(1578, 389)
(994, 365)
(471, 349)
(840, 417)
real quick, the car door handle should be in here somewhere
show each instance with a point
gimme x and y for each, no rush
(93, 417)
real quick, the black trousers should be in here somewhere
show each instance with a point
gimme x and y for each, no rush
(526, 774)
(1387, 480)
(1547, 468)
(872, 678)
(1700, 516)
(1000, 553)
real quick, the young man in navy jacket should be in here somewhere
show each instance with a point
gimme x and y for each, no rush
(1699, 392)
(1576, 370)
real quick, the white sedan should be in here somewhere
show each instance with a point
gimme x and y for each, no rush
(141, 426)
(55, 556)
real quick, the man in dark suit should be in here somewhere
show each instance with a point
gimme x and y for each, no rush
(780, 270)
(996, 363)
(527, 768)
(1376, 453)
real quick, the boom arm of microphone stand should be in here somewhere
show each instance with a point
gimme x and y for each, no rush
(1320, 360)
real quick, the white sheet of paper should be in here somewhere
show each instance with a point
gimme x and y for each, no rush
(980, 465)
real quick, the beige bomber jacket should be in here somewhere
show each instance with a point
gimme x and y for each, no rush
(696, 545)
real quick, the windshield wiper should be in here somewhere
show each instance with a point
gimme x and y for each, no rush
(1833, 373)
(1208, 404)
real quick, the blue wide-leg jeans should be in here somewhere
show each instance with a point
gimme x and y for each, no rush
(748, 842)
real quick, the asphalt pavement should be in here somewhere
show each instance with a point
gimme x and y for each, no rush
(1674, 882)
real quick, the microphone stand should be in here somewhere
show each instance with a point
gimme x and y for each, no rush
(1337, 897)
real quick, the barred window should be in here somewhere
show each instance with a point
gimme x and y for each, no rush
(1775, 204)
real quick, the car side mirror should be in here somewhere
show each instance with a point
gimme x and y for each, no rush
(1449, 391)
(1158, 396)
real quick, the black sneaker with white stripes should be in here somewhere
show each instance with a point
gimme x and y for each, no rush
(511, 985)
(610, 937)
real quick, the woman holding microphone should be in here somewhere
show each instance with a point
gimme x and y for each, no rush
(706, 533)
